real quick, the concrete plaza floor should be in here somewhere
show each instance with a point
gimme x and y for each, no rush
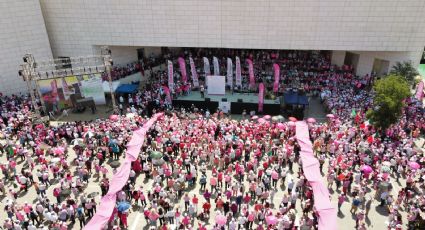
(376, 220)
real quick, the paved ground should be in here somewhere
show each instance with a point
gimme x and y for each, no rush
(376, 220)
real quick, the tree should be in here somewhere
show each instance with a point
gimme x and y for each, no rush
(389, 94)
(406, 70)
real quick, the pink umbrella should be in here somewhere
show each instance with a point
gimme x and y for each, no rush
(291, 123)
(267, 117)
(292, 119)
(414, 165)
(254, 117)
(58, 151)
(220, 220)
(366, 169)
(330, 116)
(280, 126)
(113, 117)
(271, 220)
(261, 120)
(311, 120)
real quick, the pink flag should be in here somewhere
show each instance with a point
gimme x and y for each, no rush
(276, 68)
(170, 75)
(238, 72)
(261, 97)
(182, 64)
(194, 73)
(251, 74)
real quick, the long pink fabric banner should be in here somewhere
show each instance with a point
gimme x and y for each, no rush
(251, 74)
(276, 68)
(420, 91)
(326, 212)
(170, 75)
(238, 72)
(182, 64)
(194, 73)
(107, 203)
(261, 97)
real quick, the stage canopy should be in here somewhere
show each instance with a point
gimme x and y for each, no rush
(295, 99)
(127, 88)
(105, 86)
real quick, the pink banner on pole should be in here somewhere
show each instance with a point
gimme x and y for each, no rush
(54, 86)
(182, 64)
(238, 72)
(420, 91)
(207, 68)
(194, 73)
(326, 212)
(276, 68)
(251, 74)
(170, 75)
(229, 73)
(120, 178)
(261, 97)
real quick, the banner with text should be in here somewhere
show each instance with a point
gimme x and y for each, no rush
(251, 74)
(229, 73)
(261, 97)
(194, 73)
(207, 68)
(216, 66)
(170, 75)
(276, 68)
(182, 64)
(238, 72)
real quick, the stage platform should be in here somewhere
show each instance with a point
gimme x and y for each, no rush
(238, 102)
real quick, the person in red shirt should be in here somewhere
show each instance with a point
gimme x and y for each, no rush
(206, 206)
(195, 200)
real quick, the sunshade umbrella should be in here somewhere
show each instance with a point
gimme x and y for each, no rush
(77, 141)
(93, 195)
(261, 120)
(58, 151)
(366, 169)
(367, 159)
(384, 185)
(271, 220)
(156, 155)
(385, 169)
(267, 117)
(275, 118)
(221, 220)
(113, 117)
(414, 165)
(311, 120)
(122, 206)
(331, 116)
(115, 164)
(280, 126)
(292, 119)
(386, 163)
(254, 117)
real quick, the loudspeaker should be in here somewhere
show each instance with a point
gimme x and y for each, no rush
(240, 100)
(207, 99)
(224, 99)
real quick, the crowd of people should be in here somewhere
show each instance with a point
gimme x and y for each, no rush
(212, 172)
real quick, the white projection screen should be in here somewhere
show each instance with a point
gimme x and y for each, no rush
(216, 85)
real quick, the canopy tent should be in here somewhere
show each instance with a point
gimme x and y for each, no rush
(105, 86)
(127, 88)
(295, 99)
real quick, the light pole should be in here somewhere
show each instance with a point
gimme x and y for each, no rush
(106, 53)
(26, 72)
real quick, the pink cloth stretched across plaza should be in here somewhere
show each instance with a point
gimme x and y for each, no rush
(107, 203)
(326, 212)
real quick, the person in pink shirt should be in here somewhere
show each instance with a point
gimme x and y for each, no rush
(213, 183)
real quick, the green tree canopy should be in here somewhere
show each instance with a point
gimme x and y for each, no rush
(405, 70)
(389, 92)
